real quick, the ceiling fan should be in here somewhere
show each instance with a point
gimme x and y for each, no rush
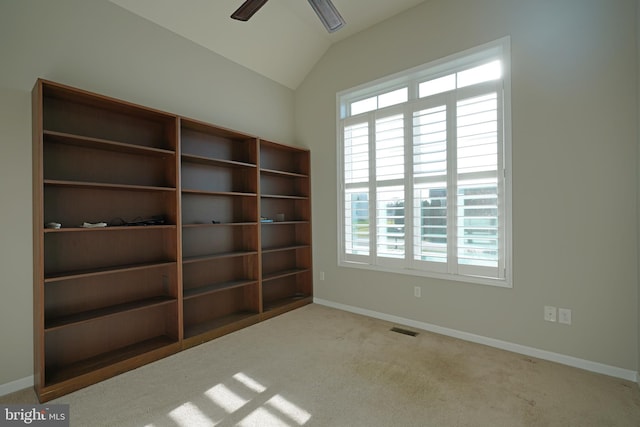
(325, 10)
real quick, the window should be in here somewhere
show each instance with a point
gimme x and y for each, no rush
(425, 170)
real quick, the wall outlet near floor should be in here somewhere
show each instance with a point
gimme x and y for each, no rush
(550, 313)
(321, 275)
(564, 316)
(417, 291)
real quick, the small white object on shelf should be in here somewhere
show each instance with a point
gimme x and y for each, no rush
(93, 225)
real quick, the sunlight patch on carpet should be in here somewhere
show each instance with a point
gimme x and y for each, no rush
(249, 382)
(225, 398)
(287, 408)
(189, 415)
(262, 409)
(262, 418)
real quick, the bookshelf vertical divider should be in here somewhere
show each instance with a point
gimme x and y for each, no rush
(154, 233)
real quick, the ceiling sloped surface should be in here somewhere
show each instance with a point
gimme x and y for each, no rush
(282, 41)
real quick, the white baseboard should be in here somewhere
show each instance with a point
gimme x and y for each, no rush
(16, 385)
(575, 362)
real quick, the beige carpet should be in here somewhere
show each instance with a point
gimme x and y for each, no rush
(318, 366)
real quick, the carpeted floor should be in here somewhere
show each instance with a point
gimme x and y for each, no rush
(318, 366)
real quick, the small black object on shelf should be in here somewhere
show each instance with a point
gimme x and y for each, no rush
(154, 220)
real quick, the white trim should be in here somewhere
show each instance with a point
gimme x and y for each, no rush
(575, 362)
(432, 69)
(362, 263)
(16, 385)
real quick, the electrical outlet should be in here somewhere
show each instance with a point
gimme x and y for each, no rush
(322, 275)
(564, 316)
(417, 291)
(550, 313)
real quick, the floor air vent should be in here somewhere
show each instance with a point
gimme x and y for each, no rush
(404, 331)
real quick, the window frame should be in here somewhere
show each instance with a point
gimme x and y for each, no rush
(412, 78)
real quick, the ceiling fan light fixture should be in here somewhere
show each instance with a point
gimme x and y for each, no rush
(248, 9)
(328, 14)
(326, 11)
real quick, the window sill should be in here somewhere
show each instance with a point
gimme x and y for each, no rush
(478, 280)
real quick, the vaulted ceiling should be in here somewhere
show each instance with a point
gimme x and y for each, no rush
(282, 41)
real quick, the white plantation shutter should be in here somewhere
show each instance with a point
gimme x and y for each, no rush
(430, 186)
(424, 172)
(356, 189)
(356, 165)
(389, 177)
(478, 185)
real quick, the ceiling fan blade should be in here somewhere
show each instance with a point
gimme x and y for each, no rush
(247, 9)
(328, 14)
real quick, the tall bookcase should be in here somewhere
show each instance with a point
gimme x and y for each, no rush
(219, 231)
(171, 232)
(285, 206)
(106, 298)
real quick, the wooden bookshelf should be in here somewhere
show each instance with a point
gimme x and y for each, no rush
(285, 202)
(205, 231)
(103, 296)
(220, 229)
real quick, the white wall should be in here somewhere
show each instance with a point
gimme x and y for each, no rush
(574, 172)
(97, 46)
